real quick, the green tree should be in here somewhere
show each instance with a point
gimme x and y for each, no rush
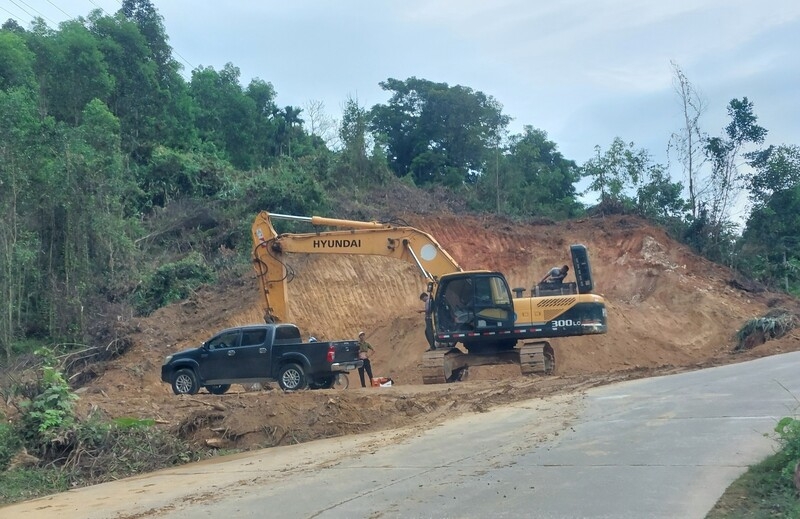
(173, 174)
(135, 99)
(530, 178)
(615, 173)
(86, 239)
(168, 103)
(770, 243)
(435, 132)
(286, 187)
(549, 178)
(266, 114)
(151, 25)
(21, 156)
(16, 62)
(725, 154)
(776, 168)
(772, 233)
(76, 72)
(354, 165)
(12, 25)
(658, 198)
(225, 115)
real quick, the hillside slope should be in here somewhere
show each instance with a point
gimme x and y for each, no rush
(668, 310)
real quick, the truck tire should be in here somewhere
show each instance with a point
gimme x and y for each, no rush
(341, 381)
(292, 378)
(184, 382)
(218, 389)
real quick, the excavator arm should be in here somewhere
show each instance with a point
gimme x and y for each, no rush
(352, 237)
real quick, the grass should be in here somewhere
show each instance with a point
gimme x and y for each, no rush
(763, 492)
(22, 484)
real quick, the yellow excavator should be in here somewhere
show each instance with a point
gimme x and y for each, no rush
(473, 308)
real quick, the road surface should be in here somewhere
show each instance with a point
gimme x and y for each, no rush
(664, 447)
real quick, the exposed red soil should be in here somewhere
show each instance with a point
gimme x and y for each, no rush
(669, 310)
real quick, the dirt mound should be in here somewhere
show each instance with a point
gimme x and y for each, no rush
(668, 311)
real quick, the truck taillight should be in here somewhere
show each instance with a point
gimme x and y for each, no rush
(331, 353)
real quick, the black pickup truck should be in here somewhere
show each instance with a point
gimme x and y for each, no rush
(259, 353)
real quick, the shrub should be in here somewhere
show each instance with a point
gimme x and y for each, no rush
(172, 282)
(48, 414)
(9, 444)
(773, 325)
(788, 430)
(285, 188)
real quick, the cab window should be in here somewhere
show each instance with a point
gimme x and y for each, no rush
(224, 340)
(254, 337)
(499, 291)
(287, 334)
(491, 291)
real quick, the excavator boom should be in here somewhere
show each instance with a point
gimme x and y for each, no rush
(354, 237)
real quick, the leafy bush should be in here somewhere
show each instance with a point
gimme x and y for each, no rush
(49, 413)
(173, 174)
(9, 444)
(788, 430)
(773, 325)
(172, 282)
(285, 188)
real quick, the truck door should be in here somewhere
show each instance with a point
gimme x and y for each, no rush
(221, 361)
(241, 353)
(254, 354)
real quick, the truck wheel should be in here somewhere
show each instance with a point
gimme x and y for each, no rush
(292, 378)
(184, 382)
(341, 381)
(218, 389)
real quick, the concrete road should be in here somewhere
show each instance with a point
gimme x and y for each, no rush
(665, 447)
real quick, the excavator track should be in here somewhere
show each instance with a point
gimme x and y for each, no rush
(537, 358)
(442, 365)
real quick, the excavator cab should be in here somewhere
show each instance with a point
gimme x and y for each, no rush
(470, 302)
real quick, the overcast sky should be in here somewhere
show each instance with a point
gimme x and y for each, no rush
(584, 71)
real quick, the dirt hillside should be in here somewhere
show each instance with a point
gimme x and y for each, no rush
(668, 311)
